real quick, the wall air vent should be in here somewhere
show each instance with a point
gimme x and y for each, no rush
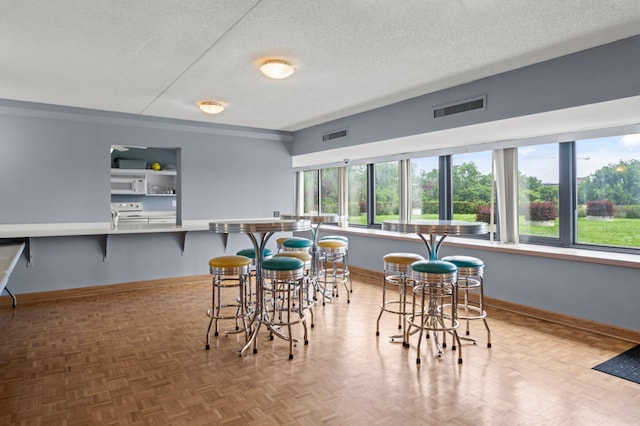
(334, 135)
(468, 105)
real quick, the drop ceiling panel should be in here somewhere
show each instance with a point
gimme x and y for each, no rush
(158, 58)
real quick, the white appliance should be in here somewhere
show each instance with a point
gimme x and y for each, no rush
(128, 213)
(128, 184)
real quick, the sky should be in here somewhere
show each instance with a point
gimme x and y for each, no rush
(541, 160)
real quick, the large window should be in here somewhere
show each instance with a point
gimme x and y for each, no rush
(311, 192)
(583, 193)
(357, 184)
(424, 188)
(387, 191)
(538, 195)
(608, 191)
(471, 185)
(329, 190)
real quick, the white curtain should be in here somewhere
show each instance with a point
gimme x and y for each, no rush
(506, 167)
(298, 198)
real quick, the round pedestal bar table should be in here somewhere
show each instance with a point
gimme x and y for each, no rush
(259, 232)
(316, 221)
(433, 232)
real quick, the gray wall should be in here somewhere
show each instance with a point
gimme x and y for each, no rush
(55, 168)
(596, 75)
(55, 164)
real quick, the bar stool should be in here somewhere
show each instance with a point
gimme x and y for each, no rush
(279, 242)
(229, 273)
(470, 282)
(297, 244)
(307, 297)
(346, 255)
(251, 254)
(435, 285)
(397, 272)
(281, 283)
(330, 275)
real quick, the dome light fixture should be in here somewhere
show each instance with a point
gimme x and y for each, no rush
(276, 69)
(210, 107)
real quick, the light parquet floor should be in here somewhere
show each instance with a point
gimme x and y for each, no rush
(138, 358)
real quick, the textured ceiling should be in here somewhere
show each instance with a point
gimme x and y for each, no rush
(157, 58)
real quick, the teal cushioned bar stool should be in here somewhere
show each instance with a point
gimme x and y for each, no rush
(251, 254)
(307, 296)
(434, 286)
(470, 283)
(397, 272)
(346, 256)
(282, 284)
(297, 244)
(229, 298)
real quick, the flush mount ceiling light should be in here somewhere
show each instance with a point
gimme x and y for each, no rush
(276, 69)
(210, 107)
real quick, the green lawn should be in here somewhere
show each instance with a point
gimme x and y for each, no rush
(619, 232)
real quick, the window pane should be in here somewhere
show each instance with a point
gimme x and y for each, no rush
(538, 180)
(471, 176)
(387, 191)
(311, 191)
(424, 187)
(608, 186)
(329, 190)
(357, 181)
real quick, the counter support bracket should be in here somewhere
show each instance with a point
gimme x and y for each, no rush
(183, 242)
(28, 254)
(104, 243)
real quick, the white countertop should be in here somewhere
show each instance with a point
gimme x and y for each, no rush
(101, 228)
(95, 228)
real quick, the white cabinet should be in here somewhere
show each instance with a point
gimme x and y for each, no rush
(144, 182)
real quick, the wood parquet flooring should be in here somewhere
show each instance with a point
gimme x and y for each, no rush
(138, 358)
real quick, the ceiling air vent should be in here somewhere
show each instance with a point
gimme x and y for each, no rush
(469, 105)
(334, 135)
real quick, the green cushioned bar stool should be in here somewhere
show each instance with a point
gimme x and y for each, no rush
(470, 285)
(434, 286)
(297, 244)
(332, 272)
(397, 272)
(229, 296)
(282, 282)
(251, 254)
(307, 296)
(346, 256)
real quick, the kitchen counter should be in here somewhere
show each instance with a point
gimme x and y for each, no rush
(102, 230)
(96, 228)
